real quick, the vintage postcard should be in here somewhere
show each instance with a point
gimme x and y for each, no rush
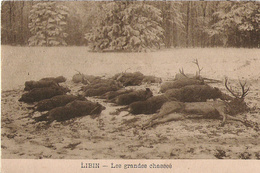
(120, 86)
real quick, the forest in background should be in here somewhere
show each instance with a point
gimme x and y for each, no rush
(131, 25)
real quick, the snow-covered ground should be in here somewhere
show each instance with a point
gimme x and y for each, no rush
(113, 137)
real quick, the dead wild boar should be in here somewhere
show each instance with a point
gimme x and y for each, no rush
(38, 94)
(58, 79)
(140, 95)
(29, 85)
(56, 101)
(99, 91)
(129, 79)
(71, 110)
(179, 84)
(194, 93)
(149, 106)
(113, 94)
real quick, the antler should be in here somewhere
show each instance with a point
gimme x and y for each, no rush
(182, 72)
(230, 90)
(244, 91)
(197, 63)
(122, 74)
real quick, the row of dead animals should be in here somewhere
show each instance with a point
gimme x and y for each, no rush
(97, 86)
(177, 92)
(62, 107)
(183, 91)
(191, 101)
(52, 97)
(184, 95)
(94, 85)
(125, 79)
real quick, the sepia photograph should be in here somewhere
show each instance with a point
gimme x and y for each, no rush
(130, 80)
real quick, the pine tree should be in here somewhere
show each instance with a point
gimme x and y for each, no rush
(238, 24)
(131, 26)
(173, 23)
(47, 24)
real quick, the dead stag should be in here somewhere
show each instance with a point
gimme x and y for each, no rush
(197, 76)
(189, 93)
(209, 109)
(182, 75)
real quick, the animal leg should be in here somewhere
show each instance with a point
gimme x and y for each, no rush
(224, 119)
(30, 114)
(41, 118)
(147, 125)
(151, 122)
(119, 110)
(164, 119)
(228, 117)
(245, 122)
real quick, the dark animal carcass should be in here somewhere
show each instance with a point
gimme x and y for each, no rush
(73, 109)
(99, 91)
(58, 79)
(140, 95)
(29, 85)
(38, 94)
(193, 93)
(113, 94)
(56, 101)
(149, 106)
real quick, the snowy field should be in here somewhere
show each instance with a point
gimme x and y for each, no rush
(114, 137)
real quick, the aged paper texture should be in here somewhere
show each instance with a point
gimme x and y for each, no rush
(57, 110)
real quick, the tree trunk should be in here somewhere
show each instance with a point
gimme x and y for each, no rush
(10, 23)
(203, 39)
(187, 24)
(192, 23)
(21, 26)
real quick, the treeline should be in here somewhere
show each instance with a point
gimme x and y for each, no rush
(131, 25)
